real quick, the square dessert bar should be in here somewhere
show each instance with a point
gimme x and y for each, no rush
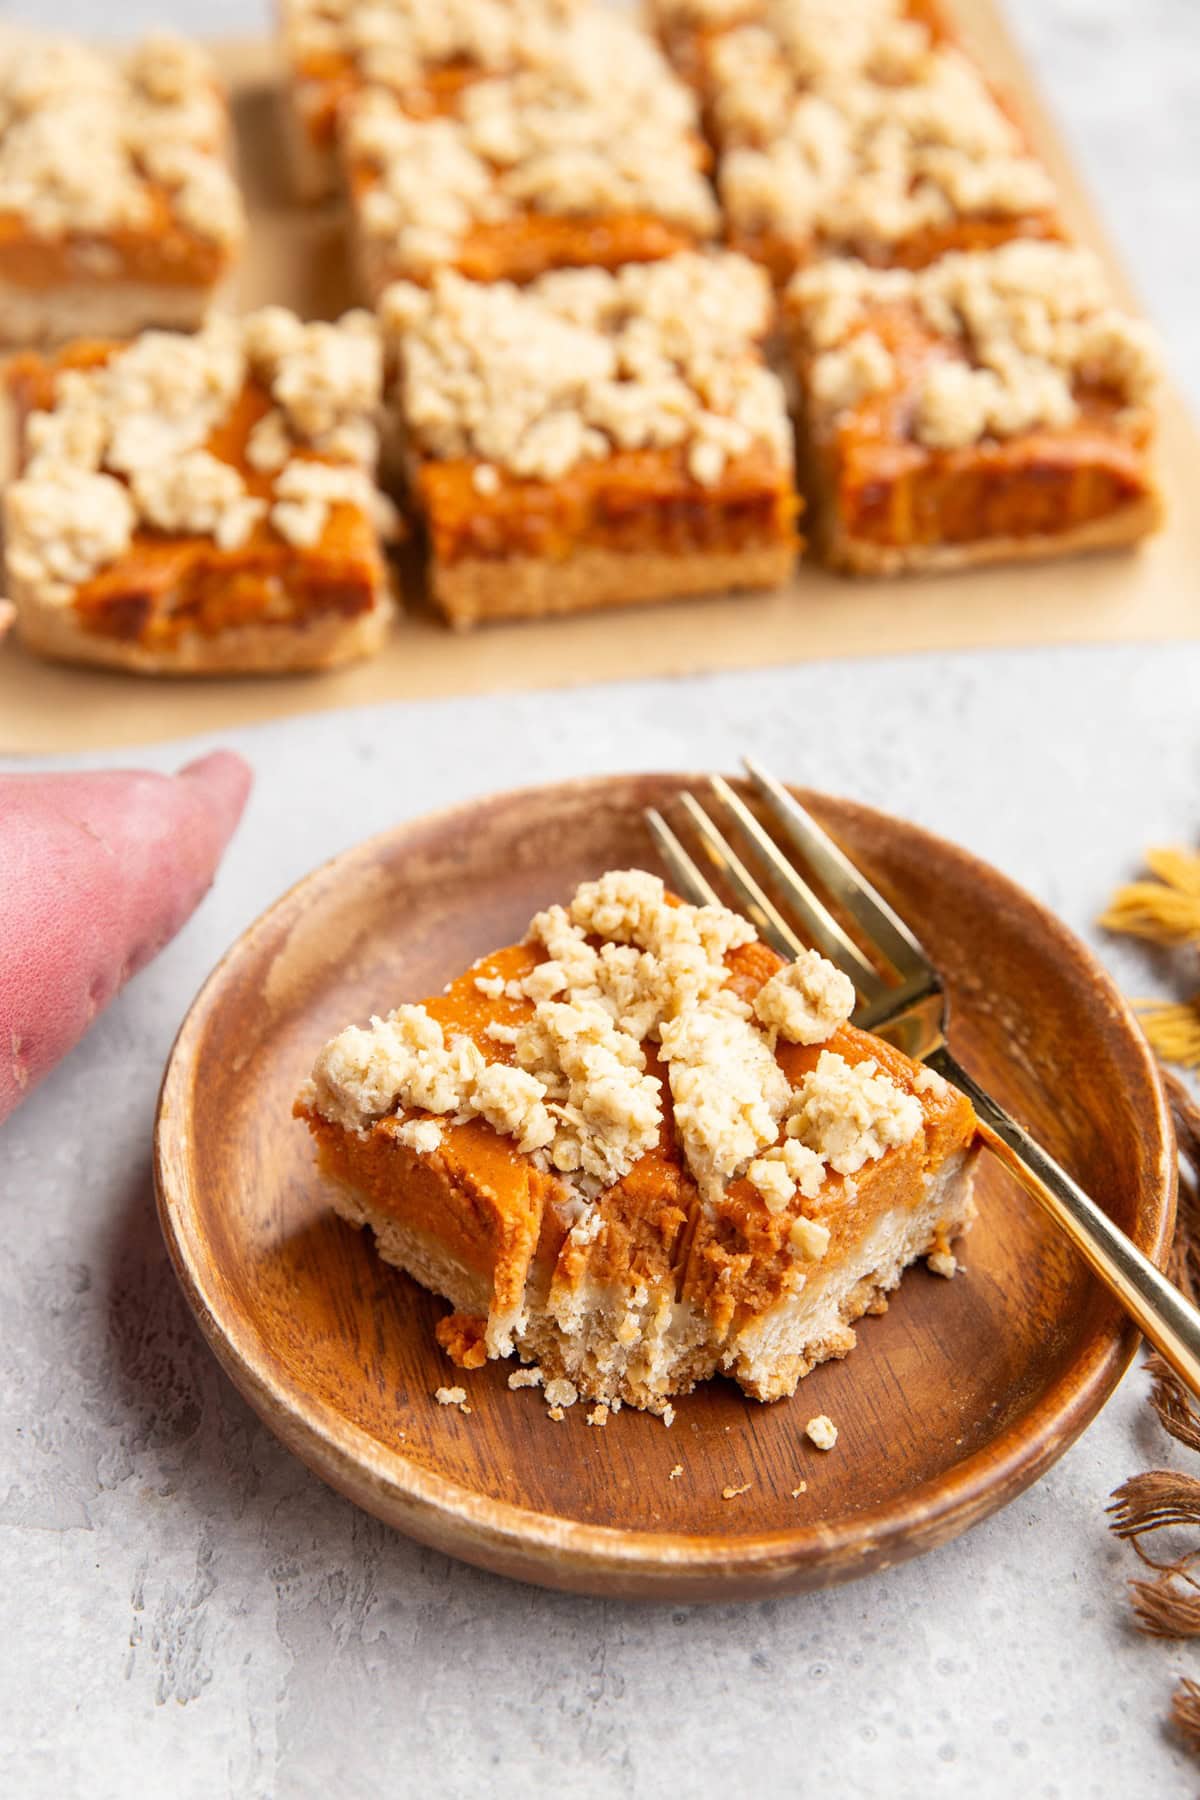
(201, 503)
(590, 157)
(870, 136)
(118, 209)
(640, 1150)
(594, 439)
(422, 51)
(995, 405)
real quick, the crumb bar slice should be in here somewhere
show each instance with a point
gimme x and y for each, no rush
(424, 52)
(994, 406)
(201, 503)
(118, 209)
(591, 158)
(595, 439)
(640, 1150)
(875, 137)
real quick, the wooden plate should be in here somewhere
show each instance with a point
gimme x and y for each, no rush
(955, 1401)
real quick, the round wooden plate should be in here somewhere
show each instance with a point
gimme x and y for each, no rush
(953, 1402)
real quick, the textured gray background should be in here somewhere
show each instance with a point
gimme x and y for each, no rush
(184, 1611)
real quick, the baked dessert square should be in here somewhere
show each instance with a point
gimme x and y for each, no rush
(862, 130)
(994, 406)
(589, 156)
(118, 208)
(593, 439)
(639, 1150)
(201, 503)
(422, 51)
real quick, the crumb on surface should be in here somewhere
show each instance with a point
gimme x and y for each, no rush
(561, 1393)
(556, 1413)
(598, 1414)
(800, 1488)
(452, 1396)
(668, 1415)
(731, 1493)
(943, 1263)
(523, 1378)
(676, 1472)
(463, 1337)
(822, 1431)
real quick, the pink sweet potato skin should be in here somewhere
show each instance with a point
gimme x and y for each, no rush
(97, 873)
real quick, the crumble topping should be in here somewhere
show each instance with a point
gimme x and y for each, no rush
(606, 1110)
(578, 1096)
(822, 1431)
(823, 37)
(582, 363)
(785, 1170)
(889, 135)
(452, 1396)
(806, 1000)
(728, 1090)
(404, 1062)
(561, 1392)
(851, 1113)
(397, 45)
(599, 126)
(124, 445)
(85, 140)
(1025, 326)
(526, 1378)
(422, 1135)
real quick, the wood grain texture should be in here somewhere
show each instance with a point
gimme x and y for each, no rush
(953, 1402)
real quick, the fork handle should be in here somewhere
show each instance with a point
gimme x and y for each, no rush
(1157, 1307)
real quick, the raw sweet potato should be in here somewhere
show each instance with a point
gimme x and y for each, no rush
(97, 873)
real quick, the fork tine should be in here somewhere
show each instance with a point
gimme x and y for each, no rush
(758, 907)
(847, 884)
(685, 874)
(829, 935)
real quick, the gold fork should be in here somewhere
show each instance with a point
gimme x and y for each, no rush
(911, 1012)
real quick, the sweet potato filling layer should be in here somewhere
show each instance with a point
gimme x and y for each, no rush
(532, 244)
(634, 500)
(783, 256)
(165, 587)
(490, 1208)
(325, 82)
(160, 252)
(880, 486)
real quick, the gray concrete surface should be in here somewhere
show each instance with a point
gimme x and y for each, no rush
(184, 1611)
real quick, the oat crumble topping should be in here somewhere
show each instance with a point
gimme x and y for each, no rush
(806, 1001)
(1025, 327)
(851, 1113)
(869, 136)
(397, 46)
(579, 1097)
(86, 141)
(600, 126)
(125, 444)
(582, 363)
